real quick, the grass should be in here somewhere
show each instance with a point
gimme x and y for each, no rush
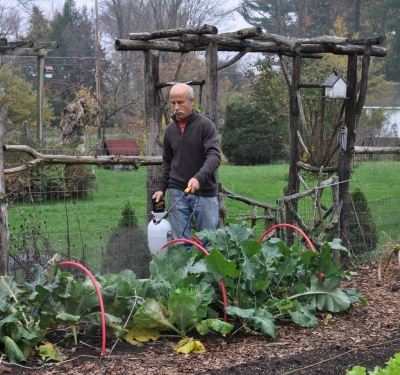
(88, 222)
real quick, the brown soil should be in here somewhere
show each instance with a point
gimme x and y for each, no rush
(366, 336)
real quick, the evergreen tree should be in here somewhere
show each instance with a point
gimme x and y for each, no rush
(256, 126)
(362, 228)
(39, 28)
(273, 16)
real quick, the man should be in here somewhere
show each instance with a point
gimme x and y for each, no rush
(191, 157)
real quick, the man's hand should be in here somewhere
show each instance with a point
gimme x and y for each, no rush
(158, 195)
(194, 184)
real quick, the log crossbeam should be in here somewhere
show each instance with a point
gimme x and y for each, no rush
(247, 40)
(40, 159)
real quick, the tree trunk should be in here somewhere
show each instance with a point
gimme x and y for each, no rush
(4, 245)
(294, 127)
(346, 156)
(152, 120)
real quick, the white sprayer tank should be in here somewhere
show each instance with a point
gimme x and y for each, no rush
(158, 234)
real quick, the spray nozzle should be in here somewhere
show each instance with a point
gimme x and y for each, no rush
(187, 190)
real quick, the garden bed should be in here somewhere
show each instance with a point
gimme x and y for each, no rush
(366, 336)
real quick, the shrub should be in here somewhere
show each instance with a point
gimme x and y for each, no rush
(256, 126)
(127, 247)
(362, 228)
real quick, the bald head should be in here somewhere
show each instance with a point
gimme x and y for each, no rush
(181, 98)
(182, 88)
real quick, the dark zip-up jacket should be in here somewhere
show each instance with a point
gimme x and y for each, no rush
(195, 153)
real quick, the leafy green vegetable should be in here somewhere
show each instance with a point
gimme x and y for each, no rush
(263, 283)
(392, 368)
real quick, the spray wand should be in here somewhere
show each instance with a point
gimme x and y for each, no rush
(185, 193)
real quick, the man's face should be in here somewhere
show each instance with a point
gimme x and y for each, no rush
(181, 106)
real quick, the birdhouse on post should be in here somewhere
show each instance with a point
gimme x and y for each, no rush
(335, 87)
(48, 71)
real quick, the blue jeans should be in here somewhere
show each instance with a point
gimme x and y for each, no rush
(204, 209)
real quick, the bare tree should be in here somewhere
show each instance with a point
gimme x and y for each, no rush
(10, 21)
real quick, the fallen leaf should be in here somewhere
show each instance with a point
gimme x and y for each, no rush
(188, 345)
(327, 318)
(5, 369)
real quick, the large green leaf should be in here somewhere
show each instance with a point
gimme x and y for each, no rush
(13, 318)
(251, 248)
(197, 268)
(9, 288)
(243, 313)
(259, 319)
(189, 305)
(264, 321)
(220, 266)
(80, 297)
(269, 254)
(175, 256)
(356, 370)
(326, 295)
(68, 318)
(247, 260)
(325, 263)
(336, 244)
(224, 244)
(182, 307)
(40, 277)
(13, 352)
(95, 318)
(304, 316)
(162, 271)
(229, 239)
(285, 269)
(4, 306)
(354, 296)
(216, 325)
(154, 315)
(122, 292)
(238, 233)
(17, 332)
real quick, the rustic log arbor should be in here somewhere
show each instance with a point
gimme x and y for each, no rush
(206, 38)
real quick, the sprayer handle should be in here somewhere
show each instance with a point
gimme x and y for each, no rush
(187, 190)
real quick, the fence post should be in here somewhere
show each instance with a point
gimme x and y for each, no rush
(4, 245)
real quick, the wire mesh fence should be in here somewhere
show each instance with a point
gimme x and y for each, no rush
(97, 216)
(374, 203)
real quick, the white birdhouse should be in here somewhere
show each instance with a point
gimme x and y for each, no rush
(48, 71)
(335, 87)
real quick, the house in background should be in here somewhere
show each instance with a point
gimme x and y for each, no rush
(392, 110)
(124, 147)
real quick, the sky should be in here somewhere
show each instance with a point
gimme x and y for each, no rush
(50, 6)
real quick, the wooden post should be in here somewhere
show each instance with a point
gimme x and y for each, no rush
(346, 156)
(4, 246)
(211, 106)
(294, 126)
(152, 120)
(97, 49)
(40, 93)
